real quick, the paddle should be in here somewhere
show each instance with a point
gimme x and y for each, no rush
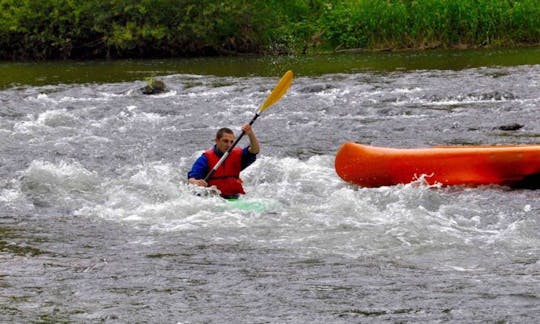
(278, 92)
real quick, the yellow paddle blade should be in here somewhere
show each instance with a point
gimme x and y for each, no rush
(278, 92)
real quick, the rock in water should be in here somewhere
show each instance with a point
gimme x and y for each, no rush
(154, 87)
(510, 127)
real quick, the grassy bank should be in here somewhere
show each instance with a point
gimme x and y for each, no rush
(377, 24)
(60, 29)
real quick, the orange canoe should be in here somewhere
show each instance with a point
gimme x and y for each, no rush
(370, 166)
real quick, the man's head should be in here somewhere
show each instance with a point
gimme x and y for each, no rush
(224, 139)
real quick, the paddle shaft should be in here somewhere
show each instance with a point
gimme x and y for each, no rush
(226, 154)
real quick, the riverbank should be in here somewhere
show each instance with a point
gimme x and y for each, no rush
(42, 30)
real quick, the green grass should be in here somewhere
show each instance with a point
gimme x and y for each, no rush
(418, 24)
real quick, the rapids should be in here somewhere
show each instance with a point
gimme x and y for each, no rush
(98, 224)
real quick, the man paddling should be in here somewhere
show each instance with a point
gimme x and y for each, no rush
(227, 176)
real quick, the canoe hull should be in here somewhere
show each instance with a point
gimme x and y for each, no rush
(371, 166)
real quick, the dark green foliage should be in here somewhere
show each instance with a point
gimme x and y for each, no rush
(44, 29)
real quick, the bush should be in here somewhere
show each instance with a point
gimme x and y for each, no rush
(44, 29)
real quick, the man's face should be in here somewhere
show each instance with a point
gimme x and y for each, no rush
(225, 142)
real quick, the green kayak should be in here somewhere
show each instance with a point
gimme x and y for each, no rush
(246, 205)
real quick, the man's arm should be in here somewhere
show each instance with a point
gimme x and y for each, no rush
(254, 146)
(249, 154)
(198, 172)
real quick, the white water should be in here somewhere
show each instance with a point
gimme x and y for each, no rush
(93, 176)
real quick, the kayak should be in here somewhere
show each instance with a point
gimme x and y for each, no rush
(246, 205)
(371, 166)
(234, 204)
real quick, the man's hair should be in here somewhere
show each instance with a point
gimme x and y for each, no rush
(222, 131)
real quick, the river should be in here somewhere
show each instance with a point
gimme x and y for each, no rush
(97, 223)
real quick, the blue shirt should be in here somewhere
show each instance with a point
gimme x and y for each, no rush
(200, 167)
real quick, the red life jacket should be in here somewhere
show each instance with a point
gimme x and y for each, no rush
(227, 177)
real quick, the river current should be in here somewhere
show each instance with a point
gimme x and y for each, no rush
(97, 222)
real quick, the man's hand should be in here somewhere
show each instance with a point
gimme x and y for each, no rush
(198, 182)
(246, 128)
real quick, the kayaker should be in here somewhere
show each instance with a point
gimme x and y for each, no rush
(227, 177)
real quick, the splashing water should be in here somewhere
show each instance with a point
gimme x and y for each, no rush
(98, 221)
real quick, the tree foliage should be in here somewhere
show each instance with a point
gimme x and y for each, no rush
(44, 29)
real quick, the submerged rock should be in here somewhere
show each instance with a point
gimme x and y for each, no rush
(154, 87)
(316, 88)
(510, 127)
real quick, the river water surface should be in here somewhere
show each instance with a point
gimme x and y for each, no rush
(97, 223)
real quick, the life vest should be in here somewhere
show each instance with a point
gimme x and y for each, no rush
(227, 177)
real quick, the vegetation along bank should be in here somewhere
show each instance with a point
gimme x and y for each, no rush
(85, 29)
